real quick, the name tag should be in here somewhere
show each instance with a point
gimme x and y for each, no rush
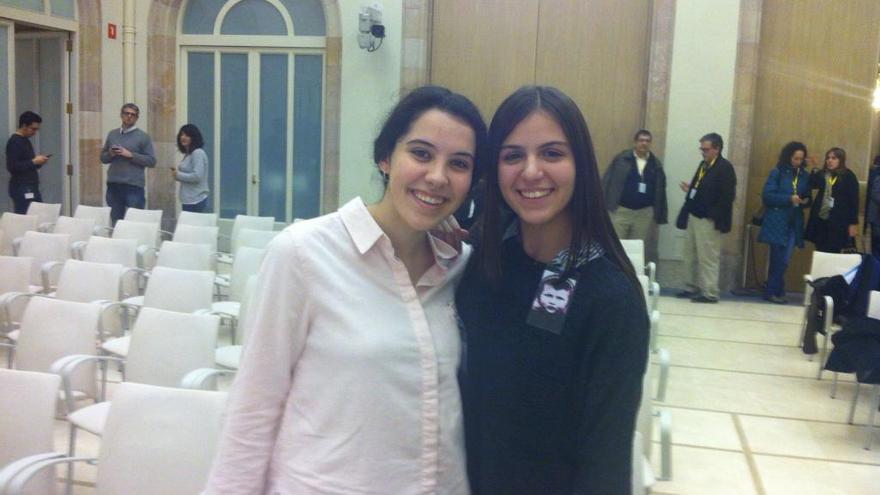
(643, 188)
(831, 202)
(692, 193)
(29, 195)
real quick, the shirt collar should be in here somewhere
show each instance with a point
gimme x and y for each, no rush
(123, 130)
(365, 232)
(637, 157)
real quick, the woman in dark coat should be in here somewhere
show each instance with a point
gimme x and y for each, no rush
(834, 217)
(786, 194)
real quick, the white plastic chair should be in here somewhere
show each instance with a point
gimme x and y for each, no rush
(245, 222)
(27, 409)
(195, 234)
(46, 212)
(229, 356)
(186, 256)
(79, 229)
(43, 248)
(15, 290)
(131, 460)
(14, 226)
(256, 238)
(874, 400)
(100, 214)
(144, 216)
(146, 235)
(247, 263)
(197, 219)
(635, 250)
(107, 250)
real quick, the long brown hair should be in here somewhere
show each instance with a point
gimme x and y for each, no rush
(590, 220)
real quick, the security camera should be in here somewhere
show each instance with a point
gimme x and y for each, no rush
(370, 28)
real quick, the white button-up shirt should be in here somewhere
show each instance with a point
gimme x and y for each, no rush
(348, 378)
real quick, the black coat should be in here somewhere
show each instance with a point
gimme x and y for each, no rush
(615, 177)
(832, 235)
(715, 196)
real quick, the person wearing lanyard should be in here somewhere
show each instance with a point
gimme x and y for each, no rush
(785, 195)
(706, 214)
(834, 216)
(635, 193)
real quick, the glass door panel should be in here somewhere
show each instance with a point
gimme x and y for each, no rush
(200, 109)
(233, 163)
(272, 135)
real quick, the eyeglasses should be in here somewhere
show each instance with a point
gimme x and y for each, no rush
(705, 150)
(129, 114)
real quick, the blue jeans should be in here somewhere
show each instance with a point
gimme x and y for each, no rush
(120, 197)
(196, 207)
(780, 255)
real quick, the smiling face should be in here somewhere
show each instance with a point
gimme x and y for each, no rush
(536, 172)
(429, 171)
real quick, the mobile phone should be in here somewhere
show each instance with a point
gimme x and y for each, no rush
(49, 155)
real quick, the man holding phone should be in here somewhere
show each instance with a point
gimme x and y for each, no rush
(129, 151)
(23, 164)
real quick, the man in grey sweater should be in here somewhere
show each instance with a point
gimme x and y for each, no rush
(129, 151)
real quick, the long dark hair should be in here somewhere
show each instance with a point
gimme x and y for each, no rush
(788, 151)
(590, 220)
(840, 154)
(196, 140)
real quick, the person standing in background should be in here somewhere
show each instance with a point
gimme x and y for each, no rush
(635, 192)
(706, 214)
(872, 206)
(834, 216)
(129, 151)
(192, 173)
(23, 164)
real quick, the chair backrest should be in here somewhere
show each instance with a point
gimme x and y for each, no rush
(874, 305)
(100, 214)
(79, 229)
(106, 250)
(195, 234)
(199, 219)
(256, 238)
(47, 212)
(146, 234)
(249, 222)
(166, 345)
(828, 264)
(633, 246)
(53, 328)
(43, 247)
(185, 291)
(159, 440)
(637, 260)
(245, 305)
(185, 256)
(145, 216)
(16, 272)
(27, 409)
(247, 262)
(85, 281)
(14, 226)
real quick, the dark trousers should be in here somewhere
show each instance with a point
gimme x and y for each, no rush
(875, 239)
(120, 197)
(23, 195)
(780, 255)
(196, 207)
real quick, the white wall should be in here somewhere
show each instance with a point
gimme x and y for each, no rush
(370, 87)
(700, 96)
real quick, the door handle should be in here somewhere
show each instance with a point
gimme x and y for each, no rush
(254, 179)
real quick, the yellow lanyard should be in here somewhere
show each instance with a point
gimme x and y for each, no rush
(832, 180)
(703, 168)
(794, 182)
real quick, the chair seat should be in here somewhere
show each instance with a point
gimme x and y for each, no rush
(13, 335)
(230, 308)
(91, 418)
(117, 347)
(228, 356)
(134, 300)
(224, 258)
(35, 289)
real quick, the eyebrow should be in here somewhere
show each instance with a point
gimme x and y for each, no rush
(544, 145)
(431, 145)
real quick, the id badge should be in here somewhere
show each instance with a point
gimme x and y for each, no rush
(831, 202)
(643, 188)
(28, 195)
(692, 193)
(551, 303)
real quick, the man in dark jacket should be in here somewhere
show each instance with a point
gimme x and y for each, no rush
(706, 214)
(635, 192)
(23, 164)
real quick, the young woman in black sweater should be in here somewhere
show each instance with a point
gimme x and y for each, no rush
(553, 314)
(834, 216)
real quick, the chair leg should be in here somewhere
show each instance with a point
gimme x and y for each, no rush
(71, 449)
(869, 429)
(834, 385)
(852, 405)
(665, 446)
(800, 341)
(822, 354)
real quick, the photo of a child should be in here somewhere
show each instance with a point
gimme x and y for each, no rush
(551, 302)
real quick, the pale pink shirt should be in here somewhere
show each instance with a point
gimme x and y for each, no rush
(348, 378)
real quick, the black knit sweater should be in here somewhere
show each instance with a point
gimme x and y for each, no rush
(545, 413)
(19, 156)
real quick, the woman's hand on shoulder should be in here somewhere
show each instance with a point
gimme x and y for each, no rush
(450, 232)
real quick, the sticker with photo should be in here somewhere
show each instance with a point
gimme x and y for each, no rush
(551, 302)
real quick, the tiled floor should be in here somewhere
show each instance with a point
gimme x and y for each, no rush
(748, 415)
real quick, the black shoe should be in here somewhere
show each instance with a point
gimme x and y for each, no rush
(776, 299)
(687, 294)
(703, 299)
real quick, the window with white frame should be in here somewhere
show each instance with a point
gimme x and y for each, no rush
(252, 80)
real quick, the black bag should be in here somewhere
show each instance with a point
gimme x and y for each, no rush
(758, 217)
(838, 289)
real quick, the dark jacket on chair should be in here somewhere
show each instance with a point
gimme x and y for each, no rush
(714, 198)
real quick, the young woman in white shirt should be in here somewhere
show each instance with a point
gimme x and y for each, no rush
(348, 378)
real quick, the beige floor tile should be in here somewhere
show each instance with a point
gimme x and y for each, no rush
(808, 439)
(733, 330)
(741, 309)
(760, 395)
(785, 476)
(700, 428)
(704, 471)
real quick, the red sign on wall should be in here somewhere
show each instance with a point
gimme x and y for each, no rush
(111, 31)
